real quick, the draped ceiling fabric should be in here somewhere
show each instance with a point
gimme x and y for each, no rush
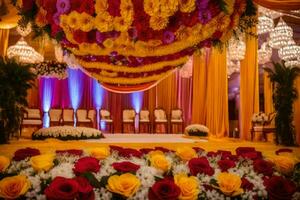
(249, 86)
(297, 111)
(9, 15)
(4, 36)
(279, 4)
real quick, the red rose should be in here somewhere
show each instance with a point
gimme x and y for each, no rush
(226, 164)
(165, 150)
(87, 6)
(242, 150)
(212, 154)
(263, 167)
(80, 36)
(114, 7)
(62, 189)
(248, 152)
(21, 154)
(146, 150)
(128, 152)
(125, 166)
(278, 152)
(74, 152)
(86, 164)
(27, 5)
(279, 187)
(115, 148)
(75, 4)
(164, 189)
(85, 190)
(200, 165)
(246, 185)
(49, 6)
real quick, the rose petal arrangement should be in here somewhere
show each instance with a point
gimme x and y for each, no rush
(130, 45)
(123, 173)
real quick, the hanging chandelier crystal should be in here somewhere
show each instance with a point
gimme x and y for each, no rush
(269, 13)
(22, 51)
(280, 35)
(292, 63)
(289, 52)
(265, 24)
(264, 53)
(232, 67)
(236, 48)
(187, 70)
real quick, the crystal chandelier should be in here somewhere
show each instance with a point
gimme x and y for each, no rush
(22, 51)
(187, 70)
(290, 51)
(265, 24)
(280, 35)
(232, 67)
(292, 63)
(236, 48)
(264, 53)
(269, 13)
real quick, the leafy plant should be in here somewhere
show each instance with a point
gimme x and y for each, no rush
(15, 80)
(284, 95)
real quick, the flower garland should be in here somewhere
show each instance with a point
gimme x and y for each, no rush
(196, 130)
(136, 31)
(51, 69)
(122, 173)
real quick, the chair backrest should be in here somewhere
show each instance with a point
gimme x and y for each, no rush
(176, 114)
(92, 114)
(68, 115)
(128, 114)
(55, 115)
(104, 114)
(82, 114)
(160, 114)
(33, 114)
(144, 114)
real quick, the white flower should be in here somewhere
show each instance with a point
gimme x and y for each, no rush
(63, 169)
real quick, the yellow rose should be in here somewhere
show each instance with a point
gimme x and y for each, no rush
(230, 184)
(100, 152)
(42, 162)
(186, 153)
(14, 187)
(4, 163)
(158, 23)
(159, 160)
(189, 186)
(284, 164)
(125, 184)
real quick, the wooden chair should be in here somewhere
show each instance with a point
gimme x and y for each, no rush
(31, 118)
(55, 117)
(176, 119)
(106, 118)
(83, 118)
(263, 128)
(144, 119)
(128, 118)
(160, 118)
(68, 117)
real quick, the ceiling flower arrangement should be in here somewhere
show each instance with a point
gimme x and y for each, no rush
(132, 43)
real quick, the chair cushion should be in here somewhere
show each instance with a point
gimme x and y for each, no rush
(32, 122)
(144, 120)
(160, 114)
(176, 114)
(128, 120)
(177, 120)
(84, 120)
(161, 120)
(128, 115)
(144, 115)
(34, 114)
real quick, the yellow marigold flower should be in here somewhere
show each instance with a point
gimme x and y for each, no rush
(84, 47)
(40, 18)
(121, 24)
(230, 184)
(42, 162)
(4, 163)
(226, 36)
(284, 164)
(159, 161)
(100, 153)
(186, 153)
(126, 184)
(158, 23)
(126, 9)
(154, 43)
(187, 6)
(101, 6)
(73, 20)
(182, 33)
(104, 22)
(224, 23)
(108, 43)
(151, 7)
(63, 21)
(189, 186)
(229, 6)
(13, 187)
(168, 7)
(86, 22)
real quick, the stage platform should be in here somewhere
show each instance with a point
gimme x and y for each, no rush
(171, 141)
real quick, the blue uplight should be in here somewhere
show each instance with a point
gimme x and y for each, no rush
(137, 100)
(98, 93)
(47, 93)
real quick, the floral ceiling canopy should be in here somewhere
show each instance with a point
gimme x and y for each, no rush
(130, 45)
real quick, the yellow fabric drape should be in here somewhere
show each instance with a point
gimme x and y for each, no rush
(199, 87)
(297, 111)
(4, 36)
(249, 86)
(217, 119)
(268, 91)
(279, 4)
(10, 18)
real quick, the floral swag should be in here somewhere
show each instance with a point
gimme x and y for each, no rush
(122, 173)
(133, 43)
(51, 69)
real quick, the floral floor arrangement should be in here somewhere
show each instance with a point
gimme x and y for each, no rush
(196, 130)
(122, 173)
(67, 133)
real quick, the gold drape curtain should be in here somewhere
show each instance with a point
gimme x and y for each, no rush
(279, 4)
(268, 91)
(249, 86)
(297, 111)
(4, 36)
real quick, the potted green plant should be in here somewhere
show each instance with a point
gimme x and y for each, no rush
(284, 95)
(15, 80)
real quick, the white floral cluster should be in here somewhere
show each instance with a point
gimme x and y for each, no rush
(67, 131)
(51, 69)
(260, 117)
(196, 128)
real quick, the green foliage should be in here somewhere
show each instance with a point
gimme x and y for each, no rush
(15, 80)
(284, 95)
